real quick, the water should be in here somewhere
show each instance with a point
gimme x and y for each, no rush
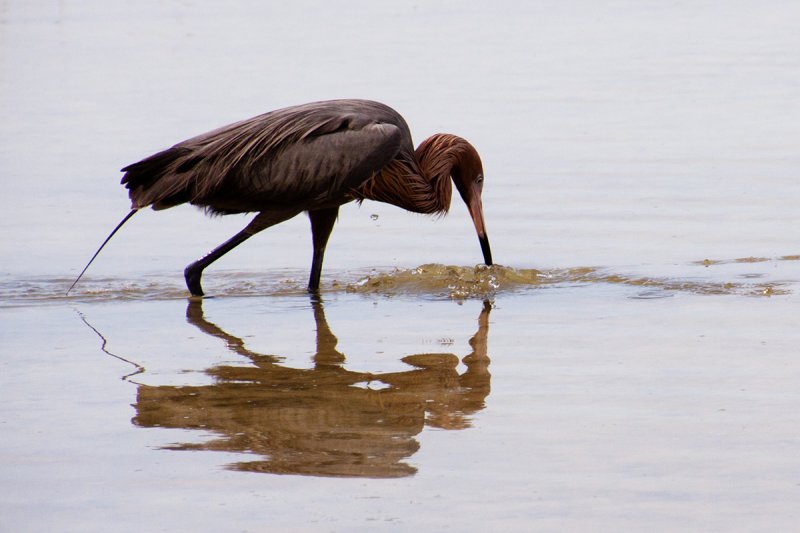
(630, 362)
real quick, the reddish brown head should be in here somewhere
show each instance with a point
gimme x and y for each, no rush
(458, 158)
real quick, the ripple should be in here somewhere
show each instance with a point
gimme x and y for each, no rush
(428, 281)
(485, 282)
(712, 262)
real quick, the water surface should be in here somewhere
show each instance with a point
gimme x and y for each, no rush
(630, 363)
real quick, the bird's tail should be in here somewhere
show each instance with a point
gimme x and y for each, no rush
(123, 221)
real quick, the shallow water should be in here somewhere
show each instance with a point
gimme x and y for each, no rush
(429, 281)
(631, 361)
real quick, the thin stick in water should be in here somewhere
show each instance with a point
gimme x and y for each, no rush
(123, 221)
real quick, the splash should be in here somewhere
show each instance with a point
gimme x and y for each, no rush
(449, 281)
(486, 282)
(435, 281)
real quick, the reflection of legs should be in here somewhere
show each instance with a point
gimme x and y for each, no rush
(326, 340)
(195, 317)
(322, 221)
(263, 220)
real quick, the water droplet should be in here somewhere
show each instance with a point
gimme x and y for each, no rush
(373, 216)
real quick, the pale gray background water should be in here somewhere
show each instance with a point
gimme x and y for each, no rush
(638, 137)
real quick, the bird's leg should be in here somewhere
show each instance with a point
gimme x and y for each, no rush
(263, 220)
(322, 221)
(194, 272)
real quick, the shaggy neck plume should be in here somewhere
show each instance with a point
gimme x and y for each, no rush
(420, 182)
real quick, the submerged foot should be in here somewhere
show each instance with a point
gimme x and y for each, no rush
(193, 275)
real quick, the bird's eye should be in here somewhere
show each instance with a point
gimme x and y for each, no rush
(479, 179)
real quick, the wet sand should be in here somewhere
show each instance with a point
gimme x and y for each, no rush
(630, 363)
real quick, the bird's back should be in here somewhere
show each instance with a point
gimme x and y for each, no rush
(305, 155)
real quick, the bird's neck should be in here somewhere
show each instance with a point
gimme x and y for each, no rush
(418, 181)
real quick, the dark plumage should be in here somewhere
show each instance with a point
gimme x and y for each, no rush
(312, 157)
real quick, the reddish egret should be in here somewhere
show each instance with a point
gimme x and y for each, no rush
(314, 158)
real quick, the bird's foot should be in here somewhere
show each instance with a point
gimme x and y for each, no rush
(193, 275)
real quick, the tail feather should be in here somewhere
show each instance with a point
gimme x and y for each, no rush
(123, 221)
(160, 180)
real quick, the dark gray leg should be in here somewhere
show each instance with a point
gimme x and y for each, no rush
(322, 221)
(263, 220)
(194, 272)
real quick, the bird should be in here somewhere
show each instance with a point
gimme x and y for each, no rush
(311, 157)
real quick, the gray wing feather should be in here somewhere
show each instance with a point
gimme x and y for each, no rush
(317, 171)
(313, 152)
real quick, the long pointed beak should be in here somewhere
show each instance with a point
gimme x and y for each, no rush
(475, 207)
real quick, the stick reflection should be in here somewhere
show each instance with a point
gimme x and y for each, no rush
(321, 421)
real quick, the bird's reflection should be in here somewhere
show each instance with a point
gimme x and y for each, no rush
(326, 420)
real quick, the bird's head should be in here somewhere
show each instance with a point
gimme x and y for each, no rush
(467, 174)
(445, 155)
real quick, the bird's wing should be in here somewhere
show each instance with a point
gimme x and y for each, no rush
(324, 168)
(289, 156)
